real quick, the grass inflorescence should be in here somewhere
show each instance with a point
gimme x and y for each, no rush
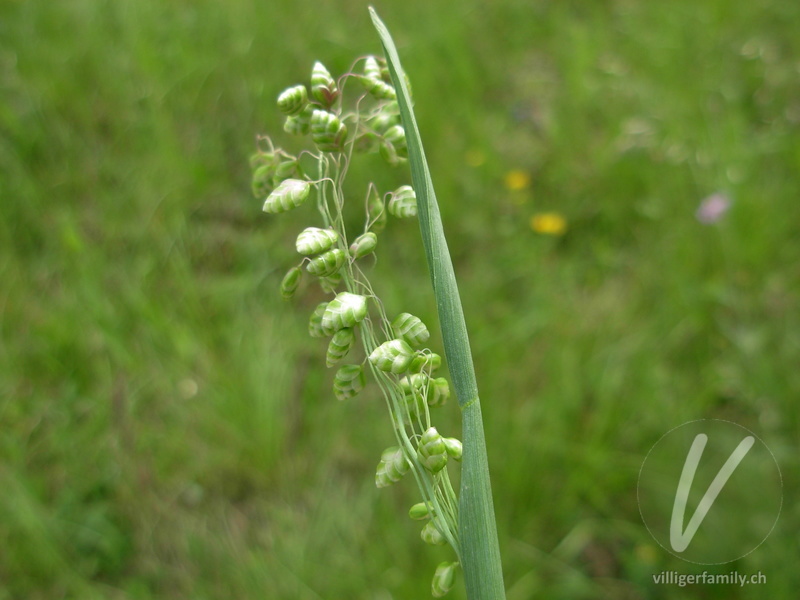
(341, 128)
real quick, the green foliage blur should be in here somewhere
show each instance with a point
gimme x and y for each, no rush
(167, 427)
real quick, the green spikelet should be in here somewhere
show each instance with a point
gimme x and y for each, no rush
(411, 329)
(431, 535)
(421, 511)
(290, 194)
(393, 356)
(392, 467)
(299, 124)
(443, 579)
(327, 131)
(396, 137)
(343, 311)
(287, 169)
(389, 154)
(313, 240)
(439, 392)
(315, 321)
(372, 69)
(363, 245)
(453, 447)
(323, 87)
(348, 381)
(340, 344)
(290, 282)
(293, 100)
(329, 284)
(295, 126)
(381, 122)
(261, 184)
(431, 451)
(376, 211)
(428, 362)
(378, 89)
(416, 384)
(328, 263)
(403, 203)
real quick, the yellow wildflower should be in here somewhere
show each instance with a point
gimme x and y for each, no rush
(548, 223)
(517, 180)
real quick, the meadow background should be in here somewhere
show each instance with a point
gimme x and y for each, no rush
(167, 428)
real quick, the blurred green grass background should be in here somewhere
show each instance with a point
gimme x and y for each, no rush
(167, 428)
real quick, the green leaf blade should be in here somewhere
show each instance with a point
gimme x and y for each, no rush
(480, 552)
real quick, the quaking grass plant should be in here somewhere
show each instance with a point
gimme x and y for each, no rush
(380, 119)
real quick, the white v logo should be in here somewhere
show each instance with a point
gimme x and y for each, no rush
(680, 540)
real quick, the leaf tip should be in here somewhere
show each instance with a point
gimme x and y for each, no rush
(376, 20)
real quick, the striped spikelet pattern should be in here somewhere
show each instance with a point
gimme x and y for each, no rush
(431, 451)
(315, 321)
(290, 194)
(372, 69)
(327, 131)
(443, 579)
(411, 329)
(346, 310)
(290, 282)
(313, 240)
(393, 356)
(323, 87)
(439, 392)
(340, 345)
(299, 124)
(348, 381)
(328, 263)
(403, 203)
(293, 100)
(392, 467)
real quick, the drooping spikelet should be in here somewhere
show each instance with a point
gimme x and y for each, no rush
(425, 361)
(348, 381)
(290, 282)
(403, 203)
(411, 329)
(443, 579)
(340, 344)
(363, 245)
(392, 467)
(327, 131)
(376, 211)
(290, 194)
(431, 451)
(313, 240)
(323, 87)
(315, 321)
(343, 311)
(393, 356)
(293, 100)
(431, 535)
(328, 263)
